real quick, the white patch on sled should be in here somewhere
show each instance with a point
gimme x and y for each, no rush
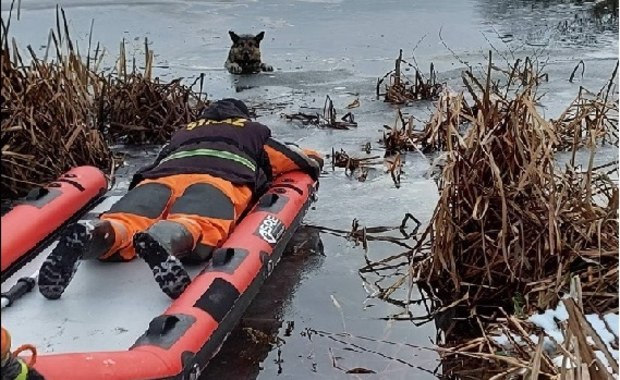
(270, 229)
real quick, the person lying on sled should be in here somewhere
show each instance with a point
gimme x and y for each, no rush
(185, 204)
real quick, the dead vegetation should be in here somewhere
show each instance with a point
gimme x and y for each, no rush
(590, 120)
(510, 229)
(327, 119)
(360, 167)
(447, 122)
(353, 166)
(63, 112)
(513, 347)
(48, 118)
(139, 109)
(401, 90)
(400, 137)
(507, 220)
(605, 9)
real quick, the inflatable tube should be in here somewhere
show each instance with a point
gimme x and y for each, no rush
(179, 343)
(45, 210)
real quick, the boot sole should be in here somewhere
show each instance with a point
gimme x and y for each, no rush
(60, 266)
(168, 270)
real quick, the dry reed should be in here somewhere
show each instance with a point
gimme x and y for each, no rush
(514, 348)
(47, 115)
(137, 108)
(400, 89)
(327, 119)
(510, 229)
(61, 113)
(507, 222)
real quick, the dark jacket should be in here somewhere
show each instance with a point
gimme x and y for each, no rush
(222, 142)
(225, 143)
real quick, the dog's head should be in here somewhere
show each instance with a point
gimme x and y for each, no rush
(246, 48)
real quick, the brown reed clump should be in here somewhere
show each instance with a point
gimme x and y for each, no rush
(400, 137)
(446, 123)
(47, 115)
(137, 109)
(590, 120)
(63, 113)
(508, 223)
(511, 233)
(401, 90)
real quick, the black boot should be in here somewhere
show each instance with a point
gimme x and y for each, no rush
(161, 246)
(82, 240)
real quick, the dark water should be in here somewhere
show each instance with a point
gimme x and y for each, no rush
(339, 48)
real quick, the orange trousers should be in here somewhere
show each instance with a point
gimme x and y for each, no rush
(207, 206)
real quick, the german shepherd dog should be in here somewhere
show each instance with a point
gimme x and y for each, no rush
(244, 55)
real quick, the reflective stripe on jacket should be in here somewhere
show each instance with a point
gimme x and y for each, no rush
(231, 149)
(223, 142)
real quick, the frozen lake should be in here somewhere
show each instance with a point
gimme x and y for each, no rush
(318, 48)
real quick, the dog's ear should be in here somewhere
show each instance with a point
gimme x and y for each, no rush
(259, 37)
(233, 36)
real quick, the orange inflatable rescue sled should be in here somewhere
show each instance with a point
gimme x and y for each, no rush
(35, 219)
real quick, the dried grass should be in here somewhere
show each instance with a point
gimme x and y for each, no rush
(47, 115)
(400, 89)
(510, 229)
(354, 167)
(61, 113)
(139, 109)
(327, 119)
(574, 357)
(452, 112)
(590, 120)
(399, 138)
(507, 222)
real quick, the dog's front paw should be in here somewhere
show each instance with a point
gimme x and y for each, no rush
(234, 68)
(266, 67)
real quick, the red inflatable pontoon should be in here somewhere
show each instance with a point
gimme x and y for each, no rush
(44, 211)
(179, 343)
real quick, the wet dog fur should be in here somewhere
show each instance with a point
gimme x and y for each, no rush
(244, 56)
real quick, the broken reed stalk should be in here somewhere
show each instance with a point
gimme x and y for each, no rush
(327, 119)
(356, 167)
(400, 137)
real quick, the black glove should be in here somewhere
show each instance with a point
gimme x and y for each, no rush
(319, 160)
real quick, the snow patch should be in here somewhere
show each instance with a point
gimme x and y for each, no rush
(606, 327)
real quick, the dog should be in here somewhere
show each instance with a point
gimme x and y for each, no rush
(244, 56)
